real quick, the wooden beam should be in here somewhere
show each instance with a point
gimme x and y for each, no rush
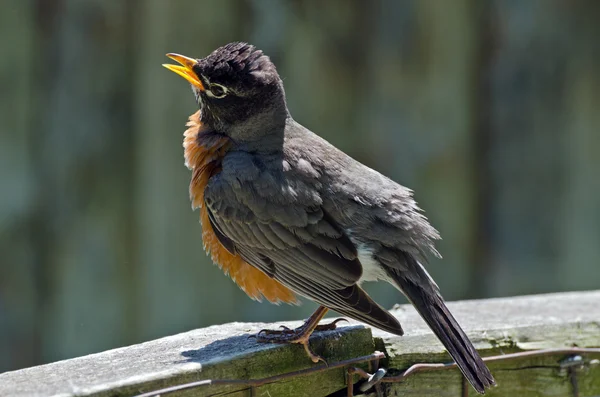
(496, 326)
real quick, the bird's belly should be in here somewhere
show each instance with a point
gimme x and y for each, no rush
(252, 281)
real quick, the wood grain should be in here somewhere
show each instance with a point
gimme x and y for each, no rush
(496, 326)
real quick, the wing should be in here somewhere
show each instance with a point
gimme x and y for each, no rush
(279, 226)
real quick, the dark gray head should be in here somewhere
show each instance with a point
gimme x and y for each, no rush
(238, 90)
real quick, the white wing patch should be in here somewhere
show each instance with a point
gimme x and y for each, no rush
(372, 270)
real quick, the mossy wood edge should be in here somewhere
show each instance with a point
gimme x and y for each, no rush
(496, 326)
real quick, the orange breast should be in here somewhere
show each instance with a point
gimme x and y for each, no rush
(205, 162)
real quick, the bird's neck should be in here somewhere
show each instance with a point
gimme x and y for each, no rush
(251, 122)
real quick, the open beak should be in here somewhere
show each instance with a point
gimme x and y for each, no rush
(185, 70)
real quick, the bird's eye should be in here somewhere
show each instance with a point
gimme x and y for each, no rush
(216, 91)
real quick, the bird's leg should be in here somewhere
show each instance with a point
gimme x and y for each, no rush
(301, 334)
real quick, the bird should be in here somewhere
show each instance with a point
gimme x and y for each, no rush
(287, 214)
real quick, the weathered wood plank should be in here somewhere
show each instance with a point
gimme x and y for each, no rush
(214, 352)
(496, 326)
(500, 326)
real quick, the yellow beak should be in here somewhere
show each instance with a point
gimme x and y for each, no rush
(185, 70)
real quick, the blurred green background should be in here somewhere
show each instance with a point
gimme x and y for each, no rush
(489, 110)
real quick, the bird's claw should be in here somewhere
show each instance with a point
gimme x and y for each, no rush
(265, 332)
(331, 326)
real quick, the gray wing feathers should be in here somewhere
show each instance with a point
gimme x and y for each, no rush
(291, 238)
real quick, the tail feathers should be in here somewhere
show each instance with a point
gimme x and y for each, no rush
(433, 310)
(444, 325)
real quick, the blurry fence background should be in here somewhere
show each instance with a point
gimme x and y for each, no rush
(489, 110)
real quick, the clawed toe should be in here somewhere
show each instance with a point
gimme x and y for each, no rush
(331, 326)
(278, 336)
(268, 334)
(315, 358)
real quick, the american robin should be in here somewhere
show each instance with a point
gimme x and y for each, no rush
(286, 213)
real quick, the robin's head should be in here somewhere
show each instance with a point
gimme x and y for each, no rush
(237, 88)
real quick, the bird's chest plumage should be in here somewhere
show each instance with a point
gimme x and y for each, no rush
(204, 158)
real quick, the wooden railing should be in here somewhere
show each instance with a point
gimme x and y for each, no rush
(544, 345)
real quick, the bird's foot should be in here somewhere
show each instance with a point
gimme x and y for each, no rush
(287, 332)
(298, 335)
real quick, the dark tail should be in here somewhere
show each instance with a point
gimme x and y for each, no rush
(433, 310)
